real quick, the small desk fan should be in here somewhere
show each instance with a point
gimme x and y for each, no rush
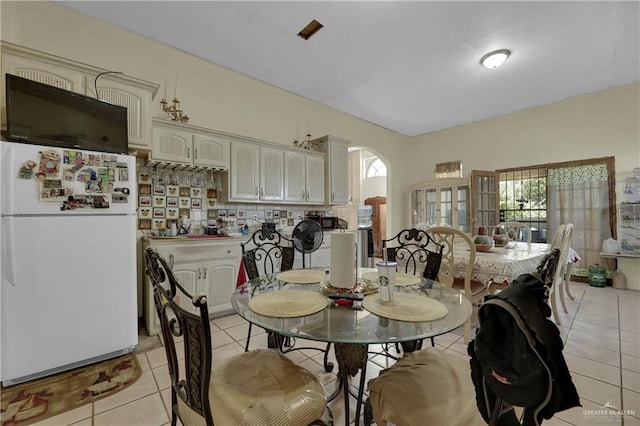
(307, 237)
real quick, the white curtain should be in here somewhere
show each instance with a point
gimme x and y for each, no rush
(580, 195)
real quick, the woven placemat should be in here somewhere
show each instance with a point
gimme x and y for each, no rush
(402, 279)
(288, 303)
(301, 276)
(406, 307)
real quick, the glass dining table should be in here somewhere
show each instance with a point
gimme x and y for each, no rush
(351, 328)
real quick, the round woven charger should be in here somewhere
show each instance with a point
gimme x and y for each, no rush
(304, 276)
(288, 303)
(402, 279)
(406, 307)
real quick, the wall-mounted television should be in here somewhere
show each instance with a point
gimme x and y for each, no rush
(46, 115)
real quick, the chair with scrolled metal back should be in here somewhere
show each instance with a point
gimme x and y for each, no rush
(416, 253)
(267, 252)
(258, 387)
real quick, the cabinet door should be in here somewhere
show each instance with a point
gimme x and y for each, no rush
(210, 150)
(43, 72)
(338, 164)
(294, 177)
(244, 175)
(189, 274)
(218, 283)
(137, 101)
(315, 180)
(170, 144)
(271, 174)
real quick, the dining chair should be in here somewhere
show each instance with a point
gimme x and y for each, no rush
(473, 290)
(562, 238)
(426, 387)
(258, 387)
(516, 231)
(266, 252)
(416, 253)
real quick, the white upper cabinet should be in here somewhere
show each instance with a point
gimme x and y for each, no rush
(337, 169)
(179, 143)
(271, 174)
(119, 89)
(304, 178)
(138, 103)
(256, 173)
(210, 150)
(171, 144)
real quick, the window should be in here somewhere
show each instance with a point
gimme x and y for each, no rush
(376, 168)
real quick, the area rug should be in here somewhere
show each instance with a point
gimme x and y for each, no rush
(37, 400)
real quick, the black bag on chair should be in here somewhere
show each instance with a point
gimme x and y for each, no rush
(516, 357)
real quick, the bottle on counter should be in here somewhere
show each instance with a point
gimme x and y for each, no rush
(173, 229)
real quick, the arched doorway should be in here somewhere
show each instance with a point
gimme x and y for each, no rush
(367, 180)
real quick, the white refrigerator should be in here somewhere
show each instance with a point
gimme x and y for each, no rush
(68, 260)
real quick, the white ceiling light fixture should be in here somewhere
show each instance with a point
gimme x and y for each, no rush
(495, 58)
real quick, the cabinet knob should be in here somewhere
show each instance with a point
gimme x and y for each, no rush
(199, 273)
(256, 191)
(261, 192)
(171, 261)
(188, 152)
(204, 272)
(195, 154)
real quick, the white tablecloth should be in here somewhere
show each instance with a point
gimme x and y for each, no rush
(500, 265)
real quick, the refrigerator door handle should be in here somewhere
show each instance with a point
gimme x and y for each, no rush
(8, 170)
(9, 250)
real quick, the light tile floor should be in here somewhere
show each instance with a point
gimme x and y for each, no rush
(601, 331)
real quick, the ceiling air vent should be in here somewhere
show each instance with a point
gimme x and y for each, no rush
(311, 28)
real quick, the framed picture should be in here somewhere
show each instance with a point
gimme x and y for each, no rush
(144, 223)
(241, 214)
(145, 212)
(158, 212)
(172, 213)
(159, 201)
(172, 201)
(196, 203)
(212, 214)
(268, 214)
(184, 212)
(283, 221)
(185, 191)
(290, 214)
(158, 190)
(144, 189)
(144, 201)
(276, 214)
(172, 190)
(184, 202)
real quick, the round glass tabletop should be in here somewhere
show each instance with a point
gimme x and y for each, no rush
(346, 324)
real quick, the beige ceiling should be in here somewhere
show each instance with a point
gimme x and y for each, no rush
(410, 66)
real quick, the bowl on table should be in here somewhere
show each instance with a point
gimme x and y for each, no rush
(483, 243)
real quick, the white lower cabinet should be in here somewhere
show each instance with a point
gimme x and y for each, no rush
(208, 267)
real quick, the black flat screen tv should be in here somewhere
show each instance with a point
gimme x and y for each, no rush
(46, 115)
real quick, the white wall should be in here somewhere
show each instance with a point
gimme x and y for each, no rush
(600, 124)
